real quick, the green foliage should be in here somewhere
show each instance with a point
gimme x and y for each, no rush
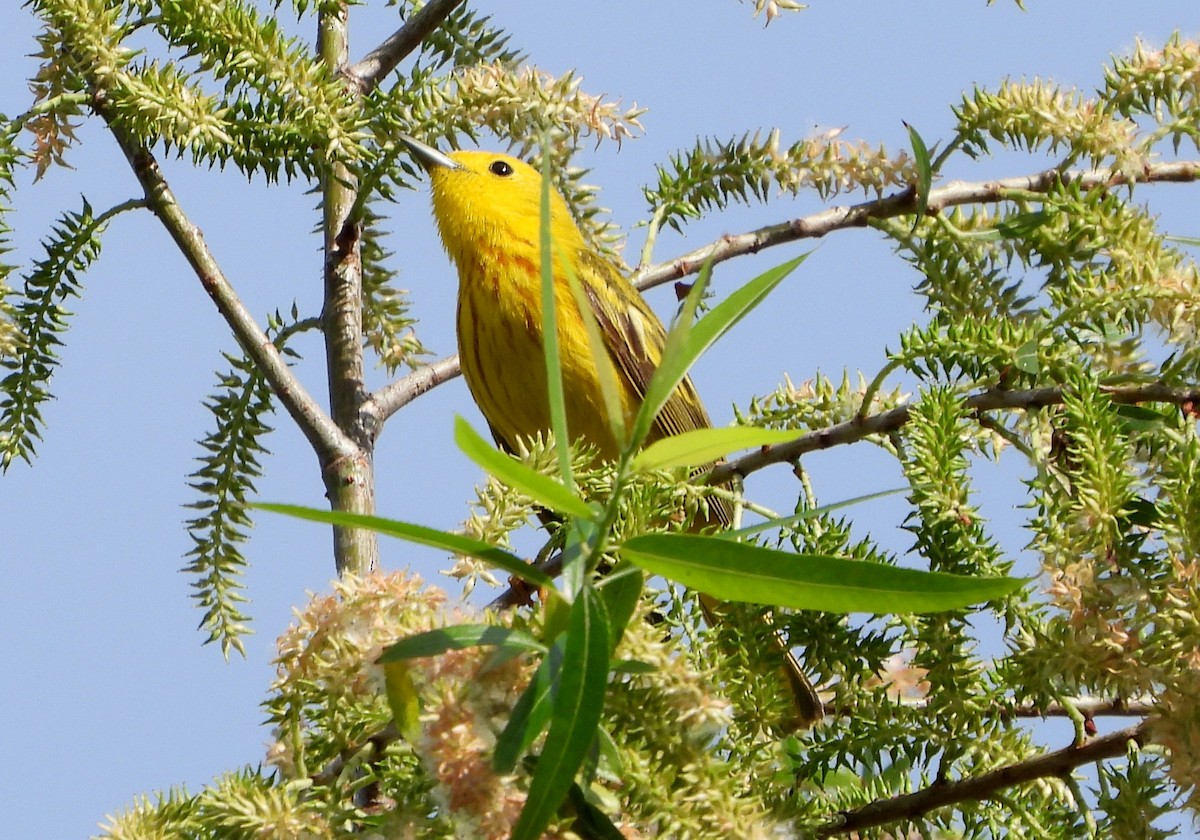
(466, 39)
(41, 318)
(10, 336)
(712, 174)
(224, 479)
(388, 328)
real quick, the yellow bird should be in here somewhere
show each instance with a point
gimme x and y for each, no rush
(488, 211)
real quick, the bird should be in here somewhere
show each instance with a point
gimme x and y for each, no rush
(487, 208)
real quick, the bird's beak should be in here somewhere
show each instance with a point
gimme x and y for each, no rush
(427, 156)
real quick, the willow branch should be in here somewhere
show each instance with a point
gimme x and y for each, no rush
(884, 422)
(317, 426)
(395, 395)
(898, 204)
(1088, 707)
(367, 74)
(1048, 765)
(860, 215)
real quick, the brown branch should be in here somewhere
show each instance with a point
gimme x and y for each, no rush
(349, 481)
(885, 422)
(898, 204)
(365, 75)
(1048, 765)
(993, 399)
(318, 427)
(396, 394)
(1088, 707)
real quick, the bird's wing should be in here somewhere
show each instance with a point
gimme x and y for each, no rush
(635, 338)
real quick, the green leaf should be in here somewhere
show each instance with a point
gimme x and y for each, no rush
(1022, 224)
(924, 172)
(671, 367)
(530, 713)
(1183, 240)
(550, 349)
(784, 521)
(458, 637)
(589, 821)
(542, 489)
(685, 345)
(703, 446)
(621, 590)
(1026, 357)
(1140, 418)
(454, 543)
(582, 683)
(740, 572)
(402, 699)
(633, 666)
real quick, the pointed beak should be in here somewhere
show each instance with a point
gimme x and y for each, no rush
(427, 156)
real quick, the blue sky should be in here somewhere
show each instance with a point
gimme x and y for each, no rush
(107, 690)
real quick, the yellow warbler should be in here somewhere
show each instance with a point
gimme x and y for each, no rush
(488, 212)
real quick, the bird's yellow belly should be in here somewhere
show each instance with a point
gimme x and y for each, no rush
(500, 350)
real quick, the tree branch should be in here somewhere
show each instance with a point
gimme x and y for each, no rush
(365, 75)
(858, 215)
(396, 394)
(1088, 707)
(855, 430)
(993, 399)
(349, 481)
(1058, 763)
(898, 204)
(318, 427)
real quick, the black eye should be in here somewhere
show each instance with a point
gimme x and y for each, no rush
(500, 168)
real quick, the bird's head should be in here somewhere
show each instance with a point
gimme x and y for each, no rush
(485, 200)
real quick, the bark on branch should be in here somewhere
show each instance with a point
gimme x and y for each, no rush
(993, 399)
(367, 74)
(952, 194)
(318, 427)
(987, 785)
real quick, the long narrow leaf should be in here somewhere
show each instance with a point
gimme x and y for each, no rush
(741, 572)
(420, 534)
(576, 717)
(550, 349)
(703, 446)
(530, 713)
(673, 365)
(924, 173)
(678, 357)
(458, 637)
(784, 521)
(543, 490)
(621, 592)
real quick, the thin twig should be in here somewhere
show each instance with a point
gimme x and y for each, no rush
(885, 422)
(366, 75)
(993, 399)
(1047, 765)
(1088, 707)
(898, 204)
(324, 435)
(395, 395)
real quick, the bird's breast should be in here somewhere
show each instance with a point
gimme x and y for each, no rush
(502, 357)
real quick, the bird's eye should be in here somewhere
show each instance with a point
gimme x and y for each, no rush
(500, 168)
